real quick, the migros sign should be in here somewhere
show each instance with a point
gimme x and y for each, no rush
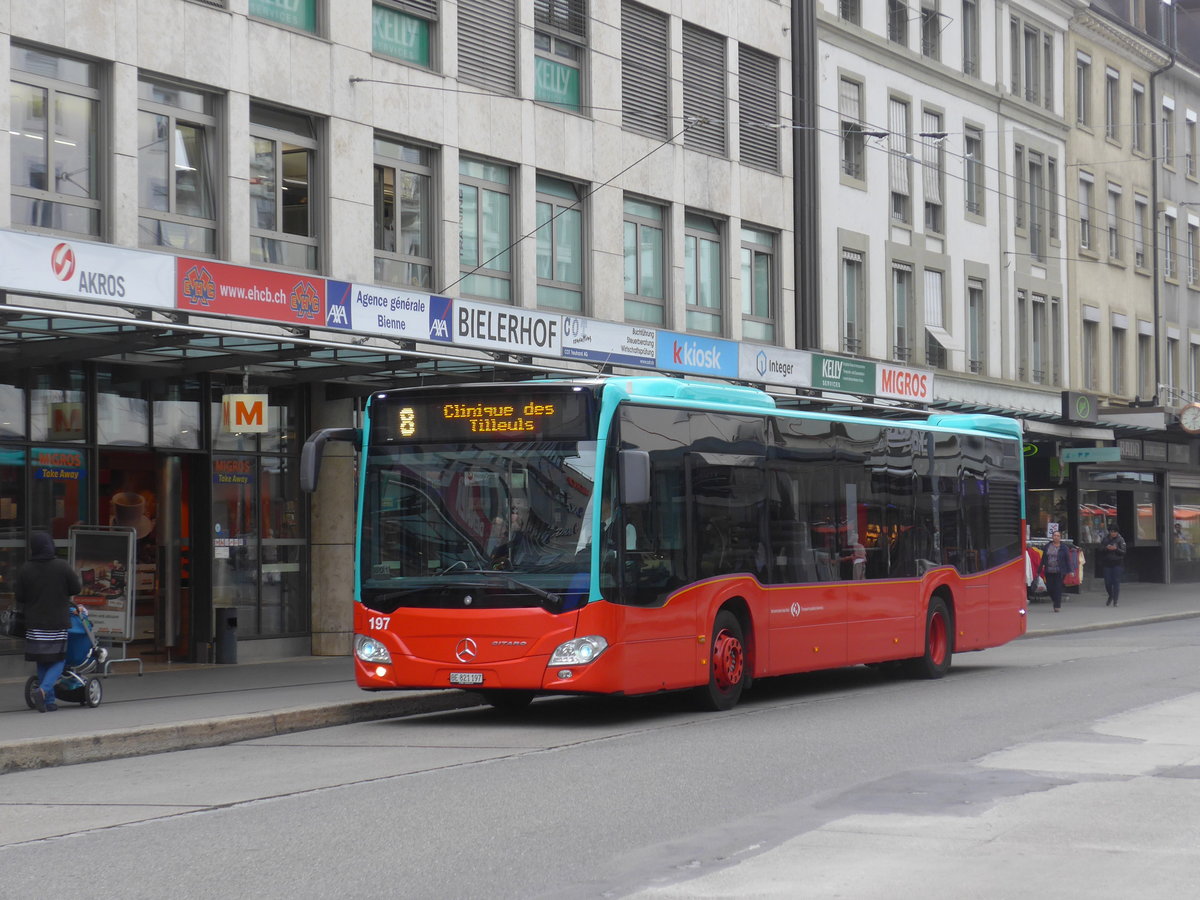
(244, 413)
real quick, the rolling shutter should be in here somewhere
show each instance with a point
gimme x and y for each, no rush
(645, 92)
(704, 88)
(487, 44)
(758, 99)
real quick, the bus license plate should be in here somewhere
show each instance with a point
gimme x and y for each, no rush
(466, 678)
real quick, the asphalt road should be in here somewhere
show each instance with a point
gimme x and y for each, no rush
(590, 798)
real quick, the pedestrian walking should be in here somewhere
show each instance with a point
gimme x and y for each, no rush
(1055, 565)
(44, 588)
(1112, 559)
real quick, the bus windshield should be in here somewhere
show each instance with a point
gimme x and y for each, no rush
(491, 512)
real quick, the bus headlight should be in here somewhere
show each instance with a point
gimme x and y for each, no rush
(579, 651)
(370, 650)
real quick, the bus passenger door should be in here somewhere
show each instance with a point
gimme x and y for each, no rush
(806, 605)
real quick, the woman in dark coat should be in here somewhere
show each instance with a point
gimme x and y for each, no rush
(1055, 565)
(44, 588)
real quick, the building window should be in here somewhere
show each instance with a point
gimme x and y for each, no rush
(1117, 362)
(485, 230)
(853, 142)
(560, 251)
(970, 37)
(1168, 135)
(1137, 115)
(931, 32)
(405, 30)
(298, 14)
(1032, 64)
(897, 21)
(1141, 208)
(1037, 209)
(1114, 222)
(1056, 341)
(645, 85)
(1189, 130)
(1112, 105)
(1091, 353)
(404, 221)
(758, 285)
(1052, 197)
(1193, 254)
(645, 262)
(704, 89)
(1019, 173)
(1039, 358)
(1172, 362)
(902, 277)
(933, 159)
(559, 42)
(973, 165)
(1194, 367)
(853, 303)
(702, 274)
(898, 159)
(487, 44)
(53, 122)
(758, 108)
(1083, 89)
(1168, 247)
(976, 325)
(850, 11)
(1085, 211)
(937, 338)
(1023, 344)
(1145, 363)
(1048, 74)
(283, 220)
(176, 142)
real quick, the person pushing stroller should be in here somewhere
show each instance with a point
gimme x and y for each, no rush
(44, 587)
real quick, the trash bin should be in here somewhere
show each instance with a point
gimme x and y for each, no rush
(225, 637)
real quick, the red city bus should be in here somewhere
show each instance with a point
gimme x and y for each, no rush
(635, 535)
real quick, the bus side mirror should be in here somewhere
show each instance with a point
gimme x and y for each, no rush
(314, 449)
(634, 471)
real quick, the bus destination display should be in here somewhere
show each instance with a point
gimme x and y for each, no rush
(538, 416)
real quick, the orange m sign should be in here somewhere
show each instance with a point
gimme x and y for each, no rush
(244, 413)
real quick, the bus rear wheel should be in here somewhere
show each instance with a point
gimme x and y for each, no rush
(727, 665)
(939, 643)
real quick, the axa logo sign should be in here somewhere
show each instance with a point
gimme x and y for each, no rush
(337, 304)
(441, 310)
(687, 353)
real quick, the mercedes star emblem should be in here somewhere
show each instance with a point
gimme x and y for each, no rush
(466, 650)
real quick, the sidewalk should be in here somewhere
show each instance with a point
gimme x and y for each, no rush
(183, 706)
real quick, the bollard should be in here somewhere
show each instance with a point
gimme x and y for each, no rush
(225, 637)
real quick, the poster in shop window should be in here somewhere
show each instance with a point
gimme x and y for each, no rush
(104, 558)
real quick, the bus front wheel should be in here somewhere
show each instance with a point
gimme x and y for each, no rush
(727, 664)
(939, 642)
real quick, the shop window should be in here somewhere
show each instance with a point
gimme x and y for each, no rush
(54, 116)
(58, 411)
(485, 230)
(177, 414)
(283, 165)
(234, 526)
(1185, 535)
(404, 223)
(122, 411)
(176, 141)
(284, 605)
(12, 411)
(405, 30)
(12, 525)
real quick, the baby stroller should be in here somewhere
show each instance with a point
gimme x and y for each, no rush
(84, 656)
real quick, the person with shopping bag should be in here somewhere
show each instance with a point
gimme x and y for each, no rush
(1055, 564)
